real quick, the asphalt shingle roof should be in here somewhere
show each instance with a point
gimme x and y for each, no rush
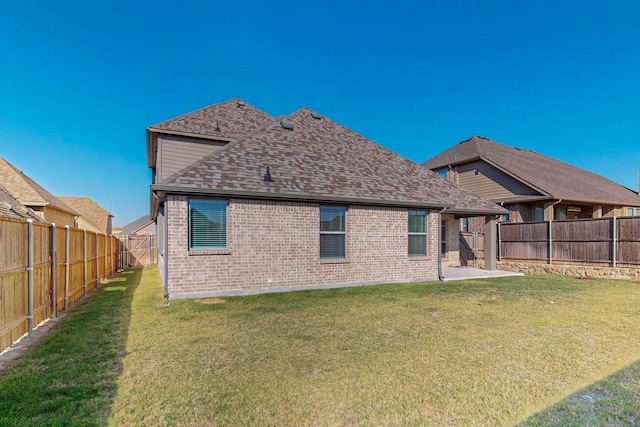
(321, 160)
(229, 120)
(11, 207)
(90, 210)
(558, 179)
(27, 191)
(136, 225)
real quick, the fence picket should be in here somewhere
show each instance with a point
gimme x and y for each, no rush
(611, 241)
(30, 276)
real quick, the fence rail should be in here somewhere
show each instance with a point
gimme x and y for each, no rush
(137, 250)
(611, 241)
(43, 269)
(471, 248)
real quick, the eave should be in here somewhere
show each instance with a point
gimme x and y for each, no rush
(163, 190)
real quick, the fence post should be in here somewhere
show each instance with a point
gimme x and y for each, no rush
(97, 261)
(54, 272)
(614, 252)
(499, 244)
(475, 249)
(66, 267)
(550, 245)
(105, 257)
(30, 274)
(84, 258)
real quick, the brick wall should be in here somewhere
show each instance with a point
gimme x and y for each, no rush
(60, 218)
(452, 257)
(276, 245)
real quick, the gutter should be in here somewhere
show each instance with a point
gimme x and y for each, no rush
(241, 194)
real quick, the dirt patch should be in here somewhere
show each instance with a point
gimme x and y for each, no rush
(210, 301)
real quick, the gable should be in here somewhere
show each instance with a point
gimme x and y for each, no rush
(489, 182)
(315, 159)
(177, 152)
(552, 177)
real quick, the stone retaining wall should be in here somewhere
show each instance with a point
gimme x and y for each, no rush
(571, 270)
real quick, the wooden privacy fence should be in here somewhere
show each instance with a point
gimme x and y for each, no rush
(471, 248)
(43, 269)
(611, 241)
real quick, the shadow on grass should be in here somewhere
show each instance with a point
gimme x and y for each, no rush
(70, 376)
(612, 401)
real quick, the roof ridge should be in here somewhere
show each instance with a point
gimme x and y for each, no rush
(194, 111)
(223, 149)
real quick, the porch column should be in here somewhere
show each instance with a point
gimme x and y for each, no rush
(548, 211)
(597, 211)
(490, 246)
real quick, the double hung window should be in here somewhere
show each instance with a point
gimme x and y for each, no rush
(333, 227)
(417, 233)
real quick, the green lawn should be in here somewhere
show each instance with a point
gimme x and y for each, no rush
(536, 350)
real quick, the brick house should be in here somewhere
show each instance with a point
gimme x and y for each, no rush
(92, 216)
(248, 203)
(11, 208)
(141, 226)
(532, 186)
(32, 195)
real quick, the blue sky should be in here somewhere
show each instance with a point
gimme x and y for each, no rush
(80, 81)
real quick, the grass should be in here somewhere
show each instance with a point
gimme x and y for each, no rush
(535, 350)
(70, 377)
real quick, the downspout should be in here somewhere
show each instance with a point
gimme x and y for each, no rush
(440, 276)
(553, 206)
(165, 249)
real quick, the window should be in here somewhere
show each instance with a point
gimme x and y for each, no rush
(417, 233)
(560, 214)
(465, 225)
(504, 218)
(633, 211)
(207, 224)
(333, 232)
(538, 213)
(442, 172)
(443, 239)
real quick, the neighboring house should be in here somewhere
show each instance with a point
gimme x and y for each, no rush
(141, 226)
(138, 242)
(12, 208)
(532, 186)
(92, 217)
(29, 193)
(245, 203)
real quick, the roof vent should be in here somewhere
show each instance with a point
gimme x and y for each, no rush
(241, 104)
(217, 129)
(267, 176)
(286, 125)
(316, 116)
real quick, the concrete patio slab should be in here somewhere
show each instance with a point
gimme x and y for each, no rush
(463, 273)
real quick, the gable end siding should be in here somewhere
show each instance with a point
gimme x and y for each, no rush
(489, 182)
(176, 153)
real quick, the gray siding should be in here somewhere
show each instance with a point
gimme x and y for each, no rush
(176, 153)
(489, 182)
